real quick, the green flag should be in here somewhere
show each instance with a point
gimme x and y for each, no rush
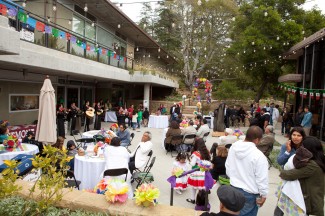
(22, 16)
(55, 32)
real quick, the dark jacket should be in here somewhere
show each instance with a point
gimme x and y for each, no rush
(266, 144)
(172, 132)
(311, 178)
(219, 167)
(145, 114)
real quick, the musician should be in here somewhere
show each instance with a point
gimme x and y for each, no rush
(61, 116)
(86, 108)
(73, 115)
(98, 113)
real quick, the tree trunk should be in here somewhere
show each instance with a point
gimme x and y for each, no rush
(261, 90)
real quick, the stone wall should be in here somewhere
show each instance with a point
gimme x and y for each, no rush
(74, 199)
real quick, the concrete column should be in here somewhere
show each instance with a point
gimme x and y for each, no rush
(146, 95)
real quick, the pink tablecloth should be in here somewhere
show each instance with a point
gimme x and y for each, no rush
(21, 130)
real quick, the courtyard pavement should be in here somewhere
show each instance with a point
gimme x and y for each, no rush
(163, 166)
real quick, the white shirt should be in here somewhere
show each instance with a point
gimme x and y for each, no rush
(141, 154)
(275, 114)
(247, 168)
(202, 130)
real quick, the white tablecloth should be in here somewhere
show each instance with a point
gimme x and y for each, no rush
(110, 116)
(158, 121)
(212, 118)
(90, 134)
(32, 149)
(88, 171)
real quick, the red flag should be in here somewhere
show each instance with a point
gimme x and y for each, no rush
(88, 47)
(103, 51)
(3, 9)
(125, 59)
(68, 36)
(40, 26)
(115, 56)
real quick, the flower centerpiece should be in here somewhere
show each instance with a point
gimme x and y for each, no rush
(146, 195)
(204, 165)
(97, 146)
(115, 190)
(11, 142)
(177, 171)
(238, 133)
(114, 127)
(184, 124)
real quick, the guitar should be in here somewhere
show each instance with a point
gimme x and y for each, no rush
(90, 113)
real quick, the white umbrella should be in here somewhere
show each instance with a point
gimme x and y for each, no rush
(46, 127)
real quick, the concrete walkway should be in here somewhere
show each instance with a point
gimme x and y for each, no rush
(163, 166)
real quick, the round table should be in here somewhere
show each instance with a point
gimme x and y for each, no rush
(110, 116)
(158, 121)
(88, 171)
(30, 150)
(90, 134)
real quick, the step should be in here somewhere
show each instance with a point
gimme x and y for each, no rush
(189, 116)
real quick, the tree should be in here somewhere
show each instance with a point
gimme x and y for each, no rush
(265, 30)
(195, 34)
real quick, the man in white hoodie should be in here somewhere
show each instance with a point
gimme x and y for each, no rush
(247, 168)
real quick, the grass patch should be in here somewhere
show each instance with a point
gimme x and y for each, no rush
(13, 206)
(273, 156)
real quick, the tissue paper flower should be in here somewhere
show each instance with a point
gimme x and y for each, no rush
(205, 165)
(177, 171)
(101, 187)
(238, 133)
(146, 195)
(116, 191)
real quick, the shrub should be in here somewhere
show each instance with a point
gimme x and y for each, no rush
(8, 179)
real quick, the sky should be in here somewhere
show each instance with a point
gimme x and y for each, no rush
(133, 9)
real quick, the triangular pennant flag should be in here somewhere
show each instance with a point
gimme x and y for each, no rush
(12, 12)
(40, 27)
(289, 89)
(31, 22)
(3, 9)
(317, 95)
(55, 32)
(22, 16)
(48, 29)
(293, 90)
(301, 92)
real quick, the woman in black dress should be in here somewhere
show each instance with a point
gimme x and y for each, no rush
(98, 120)
(61, 116)
(219, 161)
(87, 119)
(73, 115)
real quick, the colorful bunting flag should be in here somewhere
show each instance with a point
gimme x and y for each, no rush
(317, 95)
(62, 34)
(73, 39)
(305, 94)
(301, 92)
(48, 29)
(31, 22)
(311, 93)
(40, 26)
(55, 32)
(3, 9)
(22, 16)
(12, 12)
(68, 35)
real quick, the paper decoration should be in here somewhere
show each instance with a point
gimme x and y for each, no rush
(305, 94)
(62, 34)
(317, 95)
(88, 48)
(12, 12)
(55, 32)
(301, 92)
(48, 29)
(40, 26)
(73, 39)
(3, 9)
(311, 93)
(22, 16)
(68, 35)
(31, 22)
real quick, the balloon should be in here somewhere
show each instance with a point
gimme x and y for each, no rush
(204, 79)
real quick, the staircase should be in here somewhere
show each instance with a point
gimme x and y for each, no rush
(188, 111)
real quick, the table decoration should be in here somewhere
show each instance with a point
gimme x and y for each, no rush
(12, 142)
(204, 165)
(146, 195)
(116, 191)
(177, 171)
(238, 133)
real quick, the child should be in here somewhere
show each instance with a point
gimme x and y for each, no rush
(72, 148)
(200, 201)
(4, 133)
(134, 119)
(181, 183)
(139, 119)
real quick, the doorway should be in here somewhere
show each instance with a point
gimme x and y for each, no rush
(72, 96)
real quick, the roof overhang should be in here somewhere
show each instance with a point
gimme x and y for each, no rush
(297, 50)
(108, 13)
(290, 78)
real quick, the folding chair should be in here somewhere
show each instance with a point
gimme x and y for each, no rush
(131, 138)
(99, 137)
(146, 166)
(205, 136)
(71, 180)
(177, 140)
(116, 172)
(83, 141)
(76, 133)
(145, 176)
(187, 136)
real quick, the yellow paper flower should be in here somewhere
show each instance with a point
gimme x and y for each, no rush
(177, 171)
(146, 195)
(116, 191)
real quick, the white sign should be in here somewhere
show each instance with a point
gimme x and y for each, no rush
(27, 35)
(32, 176)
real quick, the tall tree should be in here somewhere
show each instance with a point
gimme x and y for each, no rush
(265, 30)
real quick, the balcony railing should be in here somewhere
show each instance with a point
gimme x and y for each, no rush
(60, 38)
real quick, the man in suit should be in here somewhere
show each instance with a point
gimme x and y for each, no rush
(226, 116)
(139, 157)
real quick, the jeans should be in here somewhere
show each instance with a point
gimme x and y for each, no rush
(250, 208)
(134, 125)
(139, 123)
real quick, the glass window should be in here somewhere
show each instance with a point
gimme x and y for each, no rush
(90, 31)
(104, 37)
(78, 25)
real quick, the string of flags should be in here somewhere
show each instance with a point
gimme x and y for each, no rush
(304, 92)
(57, 33)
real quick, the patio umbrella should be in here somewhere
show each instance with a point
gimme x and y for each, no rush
(46, 127)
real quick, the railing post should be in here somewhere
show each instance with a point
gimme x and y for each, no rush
(68, 46)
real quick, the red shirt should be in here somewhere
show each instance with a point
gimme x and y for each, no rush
(130, 110)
